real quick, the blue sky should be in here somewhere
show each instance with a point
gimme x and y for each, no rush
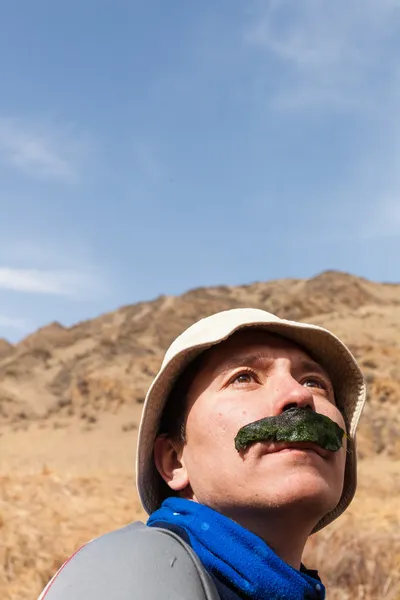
(152, 147)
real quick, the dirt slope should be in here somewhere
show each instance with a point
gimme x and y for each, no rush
(100, 366)
(70, 402)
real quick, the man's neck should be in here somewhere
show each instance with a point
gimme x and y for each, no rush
(284, 535)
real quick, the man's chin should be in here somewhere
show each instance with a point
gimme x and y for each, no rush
(306, 490)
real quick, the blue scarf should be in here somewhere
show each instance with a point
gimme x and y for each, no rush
(235, 556)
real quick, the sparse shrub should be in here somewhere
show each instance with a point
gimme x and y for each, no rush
(370, 378)
(369, 363)
(83, 386)
(41, 353)
(89, 417)
(384, 397)
(129, 426)
(11, 372)
(64, 401)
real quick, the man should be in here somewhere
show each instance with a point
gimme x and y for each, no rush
(246, 447)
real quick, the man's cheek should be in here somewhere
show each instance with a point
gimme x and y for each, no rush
(331, 411)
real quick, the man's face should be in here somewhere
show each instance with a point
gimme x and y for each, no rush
(250, 376)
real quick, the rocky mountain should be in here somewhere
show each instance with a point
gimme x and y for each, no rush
(101, 365)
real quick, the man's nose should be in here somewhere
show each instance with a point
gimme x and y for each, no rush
(292, 394)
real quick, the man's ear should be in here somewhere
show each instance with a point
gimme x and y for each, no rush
(169, 463)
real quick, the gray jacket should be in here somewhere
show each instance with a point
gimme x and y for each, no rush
(132, 563)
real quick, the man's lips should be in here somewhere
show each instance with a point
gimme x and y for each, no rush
(273, 447)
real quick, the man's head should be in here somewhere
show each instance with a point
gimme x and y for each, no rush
(258, 367)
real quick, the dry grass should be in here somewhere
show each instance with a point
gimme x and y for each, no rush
(45, 517)
(359, 555)
(72, 398)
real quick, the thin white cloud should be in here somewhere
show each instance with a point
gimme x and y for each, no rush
(327, 49)
(69, 283)
(40, 250)
(341, 55)
(381, 220)
(43, 151)
(41, 264)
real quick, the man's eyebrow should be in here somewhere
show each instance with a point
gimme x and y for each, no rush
(260, 360)
(249, 360)
(307, 364)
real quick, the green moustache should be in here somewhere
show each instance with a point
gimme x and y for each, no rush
(293, 425)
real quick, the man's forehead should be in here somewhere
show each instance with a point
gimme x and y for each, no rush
(256, 346)
(242, 344)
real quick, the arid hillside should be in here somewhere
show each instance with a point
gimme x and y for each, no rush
(105, 365)
(71, 398)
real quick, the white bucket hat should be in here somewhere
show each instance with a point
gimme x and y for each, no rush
(321, 344)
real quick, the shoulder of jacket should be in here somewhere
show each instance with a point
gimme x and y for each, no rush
(135, 561)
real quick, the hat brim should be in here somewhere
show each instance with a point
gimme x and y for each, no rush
(322, 345)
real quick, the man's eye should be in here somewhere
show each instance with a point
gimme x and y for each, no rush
(243, 378)
(314, 382)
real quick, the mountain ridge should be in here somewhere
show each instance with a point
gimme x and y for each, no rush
(99, 365)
